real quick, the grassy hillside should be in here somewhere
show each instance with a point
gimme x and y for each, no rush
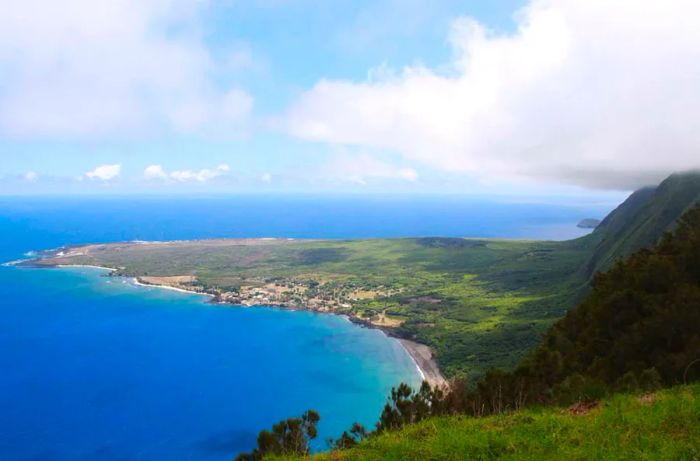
(661, 426)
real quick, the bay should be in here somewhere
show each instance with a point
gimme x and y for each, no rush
(97, 368)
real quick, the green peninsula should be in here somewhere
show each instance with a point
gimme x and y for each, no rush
(478, 303)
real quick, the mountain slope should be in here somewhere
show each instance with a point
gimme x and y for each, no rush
(638, 327)
(640, 221)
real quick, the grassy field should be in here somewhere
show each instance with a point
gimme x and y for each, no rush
(478, 303)
(660, 426)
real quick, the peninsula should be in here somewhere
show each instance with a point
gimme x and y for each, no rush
(483, 299)
(475, 303)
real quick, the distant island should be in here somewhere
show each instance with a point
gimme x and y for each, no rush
(588, 223)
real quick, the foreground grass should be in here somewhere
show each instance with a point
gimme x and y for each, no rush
(660, 426)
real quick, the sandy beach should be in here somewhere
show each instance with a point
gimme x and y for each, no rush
(139, 281)
(89, 266)
(423, 357)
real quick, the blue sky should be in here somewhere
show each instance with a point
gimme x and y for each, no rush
(405, 96)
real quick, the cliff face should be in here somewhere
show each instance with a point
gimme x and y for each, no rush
(641, 220)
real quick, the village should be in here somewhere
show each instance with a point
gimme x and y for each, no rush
(292, 293)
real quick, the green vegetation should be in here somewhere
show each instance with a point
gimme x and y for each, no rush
(637, 328)
(478, 303)
(642, 219)
(657, 426)
(483, 305)
(636, 331)
(288, 437)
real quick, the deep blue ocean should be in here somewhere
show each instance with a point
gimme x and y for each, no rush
(95, 368)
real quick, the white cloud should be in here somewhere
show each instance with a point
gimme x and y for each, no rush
(409, 174)
(359, 167)
(104, 172)
(590, 92)
(31, 176)
(359, 180)
(202, 175)
(84, 68)
(266, 178)
(154, 172)
(157, 172)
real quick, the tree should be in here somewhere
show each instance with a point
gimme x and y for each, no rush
(350, 438)
(288, 437)
(406, 406)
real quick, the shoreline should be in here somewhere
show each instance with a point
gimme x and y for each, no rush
(89, 266)
(421, 355)
(137, 282)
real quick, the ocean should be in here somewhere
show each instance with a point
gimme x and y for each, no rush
(96, 368)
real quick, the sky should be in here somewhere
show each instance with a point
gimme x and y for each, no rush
(585, 98)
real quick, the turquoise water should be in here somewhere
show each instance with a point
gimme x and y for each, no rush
(105, 369)
(95, 368)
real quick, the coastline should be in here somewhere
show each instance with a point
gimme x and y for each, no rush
(420, 354)
(136, 281)
(89, 266)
